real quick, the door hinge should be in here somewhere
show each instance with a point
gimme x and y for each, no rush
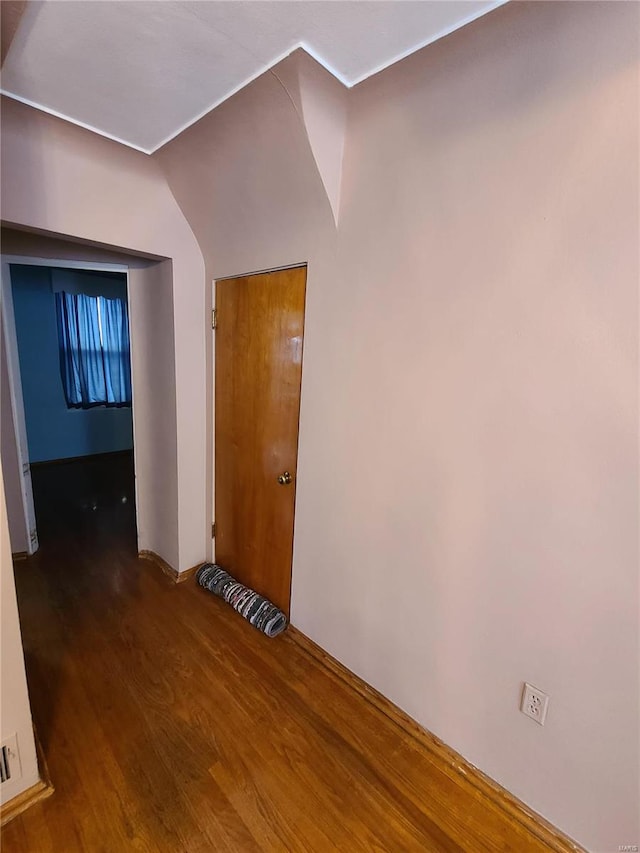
(213, 530)
(214, 319)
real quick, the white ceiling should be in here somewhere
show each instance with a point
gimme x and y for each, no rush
(141, 72)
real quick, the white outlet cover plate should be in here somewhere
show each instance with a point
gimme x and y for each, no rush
(534, 703)
(13, 756)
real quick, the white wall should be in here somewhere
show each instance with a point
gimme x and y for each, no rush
(15, 711)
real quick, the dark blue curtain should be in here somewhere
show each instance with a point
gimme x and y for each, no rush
(95, 361)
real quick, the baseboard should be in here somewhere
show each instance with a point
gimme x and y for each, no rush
(188, 573)
(23, 801)
(174, 574)
(35, 794)
(448, 760)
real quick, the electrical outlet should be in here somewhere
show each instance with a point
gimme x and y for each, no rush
(534, 703)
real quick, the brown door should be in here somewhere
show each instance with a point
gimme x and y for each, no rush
(258, 342)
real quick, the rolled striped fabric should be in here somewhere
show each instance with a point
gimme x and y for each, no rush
(256, 609)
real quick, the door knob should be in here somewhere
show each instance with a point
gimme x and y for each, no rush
(285, 479)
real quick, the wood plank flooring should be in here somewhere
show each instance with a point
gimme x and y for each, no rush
(170, 724)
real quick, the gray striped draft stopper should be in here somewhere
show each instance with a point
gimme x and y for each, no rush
(259, 611)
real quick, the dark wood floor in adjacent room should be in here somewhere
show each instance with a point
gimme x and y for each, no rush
(170, 724)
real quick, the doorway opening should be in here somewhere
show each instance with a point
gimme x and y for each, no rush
(67, 432)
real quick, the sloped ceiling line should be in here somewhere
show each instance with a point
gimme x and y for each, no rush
(142, 72)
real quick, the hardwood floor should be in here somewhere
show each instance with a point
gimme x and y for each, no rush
(170, 724)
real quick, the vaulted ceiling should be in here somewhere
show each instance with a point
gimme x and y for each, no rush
(141, 72)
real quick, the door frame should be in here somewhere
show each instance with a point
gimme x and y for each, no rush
(15, 380)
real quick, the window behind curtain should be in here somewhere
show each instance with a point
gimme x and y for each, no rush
(95, 362)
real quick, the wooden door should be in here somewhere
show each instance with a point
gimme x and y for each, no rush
(258, 347)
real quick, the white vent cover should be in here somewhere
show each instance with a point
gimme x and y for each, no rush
(10, 760)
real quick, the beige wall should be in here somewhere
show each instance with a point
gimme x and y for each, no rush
(497, 353)
(153, 369)
(270, 210)
(63, 180)
(467, 506)
(15, 712)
